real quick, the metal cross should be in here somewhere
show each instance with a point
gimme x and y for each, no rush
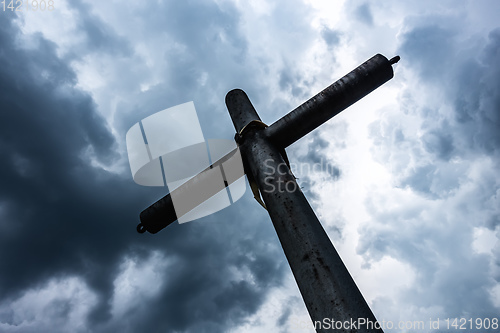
(328, 290)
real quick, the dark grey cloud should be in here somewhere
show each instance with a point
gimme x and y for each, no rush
(99, 36)
(454, 281)
(430, 49)
(462, 125)
(468, 77)
(291, 82)
(315, 165)
(473, 126)
(478, 103)
(202, 295)
(444, 149)
(421, 179)
(439, 143)
(203, 49)
(47, 134)
(61, 217)
(331, 37)
(364, 13)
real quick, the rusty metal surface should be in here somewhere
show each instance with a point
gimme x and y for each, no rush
(331, 101)
(164, 211)
(305, 118)
(326, 286)
(242, 110)
(157, 216)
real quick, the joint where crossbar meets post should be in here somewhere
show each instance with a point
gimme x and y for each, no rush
(326, 286)
(328, 290)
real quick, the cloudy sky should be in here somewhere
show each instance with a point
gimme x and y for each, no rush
(411, 198)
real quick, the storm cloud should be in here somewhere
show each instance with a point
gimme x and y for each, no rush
(68, 224)
(408, 192)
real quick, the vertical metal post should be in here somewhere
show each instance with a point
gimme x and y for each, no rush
(327, 288)
(329, 292)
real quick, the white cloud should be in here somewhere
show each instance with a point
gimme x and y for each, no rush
(61, 305)
(139, 280)
(484, 240)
